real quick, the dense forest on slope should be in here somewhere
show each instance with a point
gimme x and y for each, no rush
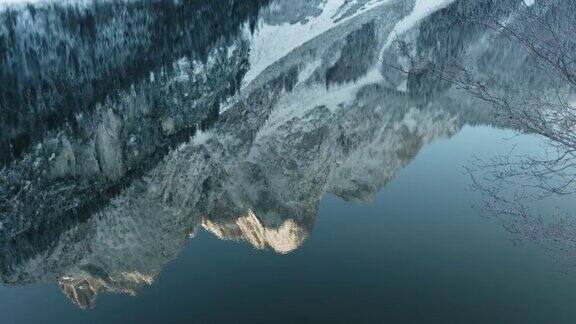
(59, 60)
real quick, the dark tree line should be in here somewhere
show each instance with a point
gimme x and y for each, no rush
(59, 60)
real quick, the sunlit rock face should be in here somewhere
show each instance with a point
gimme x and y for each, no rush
(82, 289)
(117, 250)
(104, 205)
(284, 239)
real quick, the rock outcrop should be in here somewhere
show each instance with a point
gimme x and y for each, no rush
(101, 209)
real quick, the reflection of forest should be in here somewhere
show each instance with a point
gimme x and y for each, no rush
(112, 193)
(64, 60)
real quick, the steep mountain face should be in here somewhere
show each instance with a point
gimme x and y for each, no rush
(241, 182)
(61, 61)
(228, 180)
(117, 251)
(121, 139)
(144, 84)
(292, 119)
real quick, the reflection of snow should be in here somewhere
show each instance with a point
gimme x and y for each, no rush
(309, 96)
(271, 43)
(422, 9)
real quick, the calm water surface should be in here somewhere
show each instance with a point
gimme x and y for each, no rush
(416, 253)
(257, 162)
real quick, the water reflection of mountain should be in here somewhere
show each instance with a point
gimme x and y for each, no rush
(325, 116)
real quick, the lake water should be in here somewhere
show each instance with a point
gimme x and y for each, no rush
(258, 162)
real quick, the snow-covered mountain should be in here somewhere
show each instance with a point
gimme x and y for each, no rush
(309, 105)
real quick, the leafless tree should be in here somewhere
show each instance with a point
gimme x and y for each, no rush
(514, 185)
(544, 30)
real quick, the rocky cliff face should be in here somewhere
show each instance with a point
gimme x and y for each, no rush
(299, 118)
(262, 185)
(146, 81)
(60, 61)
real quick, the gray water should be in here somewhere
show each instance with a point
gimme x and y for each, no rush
(237, 175)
